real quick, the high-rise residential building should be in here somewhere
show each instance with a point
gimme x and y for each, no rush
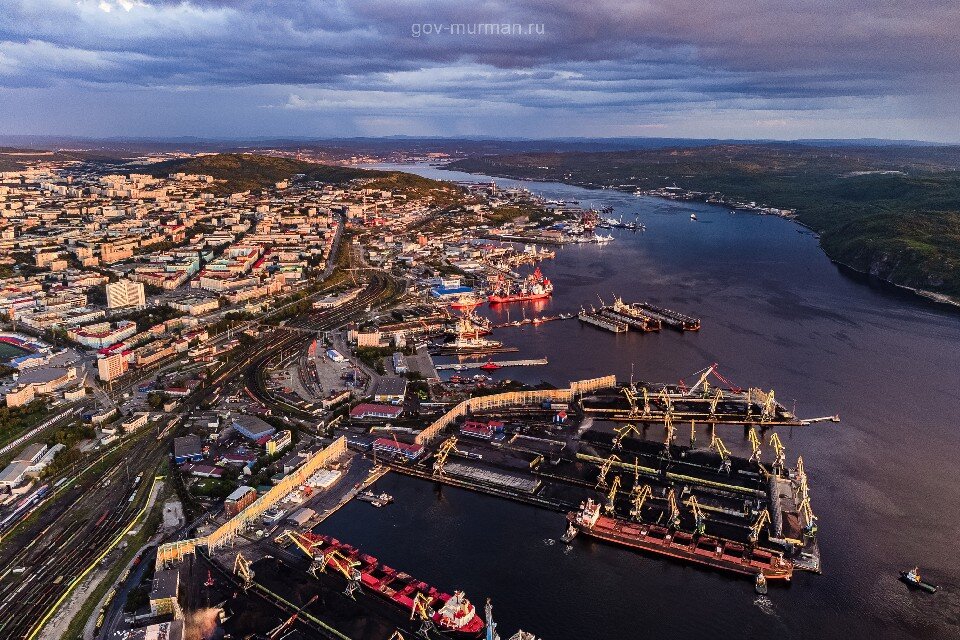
(125, 293)
(112, 366)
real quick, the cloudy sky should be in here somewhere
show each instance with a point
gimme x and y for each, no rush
(321, 68)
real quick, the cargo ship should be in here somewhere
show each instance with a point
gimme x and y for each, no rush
(718, 553)
(453, 614)
(466, 301)
(535, 287)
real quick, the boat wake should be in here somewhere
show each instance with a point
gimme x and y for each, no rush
(765, 605)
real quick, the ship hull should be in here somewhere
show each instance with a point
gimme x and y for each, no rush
(687, 548)
(518, 298)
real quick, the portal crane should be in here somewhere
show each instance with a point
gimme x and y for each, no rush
(622, 433)
(640, 493)
(762, 521)
(699, 521)
(780, 452)
(668, 435)
(716, 444)
(345, 566)
(605, 469)
(241, 567)
(673, 518)
(716, 402)
(754, 445)
(446, 448)
(703, 381)
(422, 610)
(612, 495)
(810, 526)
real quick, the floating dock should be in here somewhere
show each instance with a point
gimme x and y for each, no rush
(491, 364)
(668, 317)
(597, 320)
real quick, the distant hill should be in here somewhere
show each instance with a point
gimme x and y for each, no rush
(891, 211)
(247, 171)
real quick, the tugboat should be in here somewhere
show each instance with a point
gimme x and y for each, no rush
(913, 579)
(760, 586)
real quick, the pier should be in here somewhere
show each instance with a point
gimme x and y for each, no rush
(490, 364)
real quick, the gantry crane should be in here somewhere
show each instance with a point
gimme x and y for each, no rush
(673, 517)
(422, 610)
(241, 567)
(716, 444)
(612, 495)
(446, 448)
(622, 433)
(605, 469)
(699, 520)
(762, 520)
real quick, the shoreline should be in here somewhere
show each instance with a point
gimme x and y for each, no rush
(930, 296)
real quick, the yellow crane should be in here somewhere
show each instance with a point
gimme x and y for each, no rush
(605, 469)
(769, 408)
(241, 567)
(622, 433)
(716, 444)
(646, 403)
(667, 402)
(762, 520)
(668, 434)
(699, 520)
(780, 452)
(810, 526)
(693, 432)
(673, 517)
(754, 446)
(640, 494)
(715, 402)
(632, 399)
(421, 610)
(446, 448)
(612, 495)
(345, 566)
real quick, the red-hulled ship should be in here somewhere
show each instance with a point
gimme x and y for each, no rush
(450, 613)
(715, 552)
(535, 287)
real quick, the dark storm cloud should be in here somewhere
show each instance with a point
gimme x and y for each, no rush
(750, 54)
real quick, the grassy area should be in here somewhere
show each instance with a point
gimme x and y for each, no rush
(16, 421)
(890, 211)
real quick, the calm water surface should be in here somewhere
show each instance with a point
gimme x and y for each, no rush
(776, 314)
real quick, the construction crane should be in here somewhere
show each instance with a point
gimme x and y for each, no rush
(420, 609)
(780, 452)
(241, 567)
(622, 433)
(762, 520)
(640, 493)
(446, 448)
(612, 495)
(605, 469)
(673, 518)
(699, 520)
(716, 444)
(289, 622)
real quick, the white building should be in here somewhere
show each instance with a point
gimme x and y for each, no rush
(125, 293)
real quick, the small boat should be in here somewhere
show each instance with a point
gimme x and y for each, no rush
(760, 586)
(490, 365)
(693, 216)
(913, 579)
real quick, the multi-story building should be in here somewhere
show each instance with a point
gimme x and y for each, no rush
(112, 366)
(125, 293)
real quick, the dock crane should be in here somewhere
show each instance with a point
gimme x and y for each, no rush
(715, 402)
(810, 527)
(632, 399)
(781, 453)
(769, 408)
(345, 566)
(421, 610)
(622, 433)
(446, 448)
(668, 435)
(754, 446)
(699, 521)
(716, 444)
(667, 401)
(673, 518)
(241, 567)
(605, 469)
(703, 381)
(612, 495)
(289, 622)
(762, 521)
(640, 493)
